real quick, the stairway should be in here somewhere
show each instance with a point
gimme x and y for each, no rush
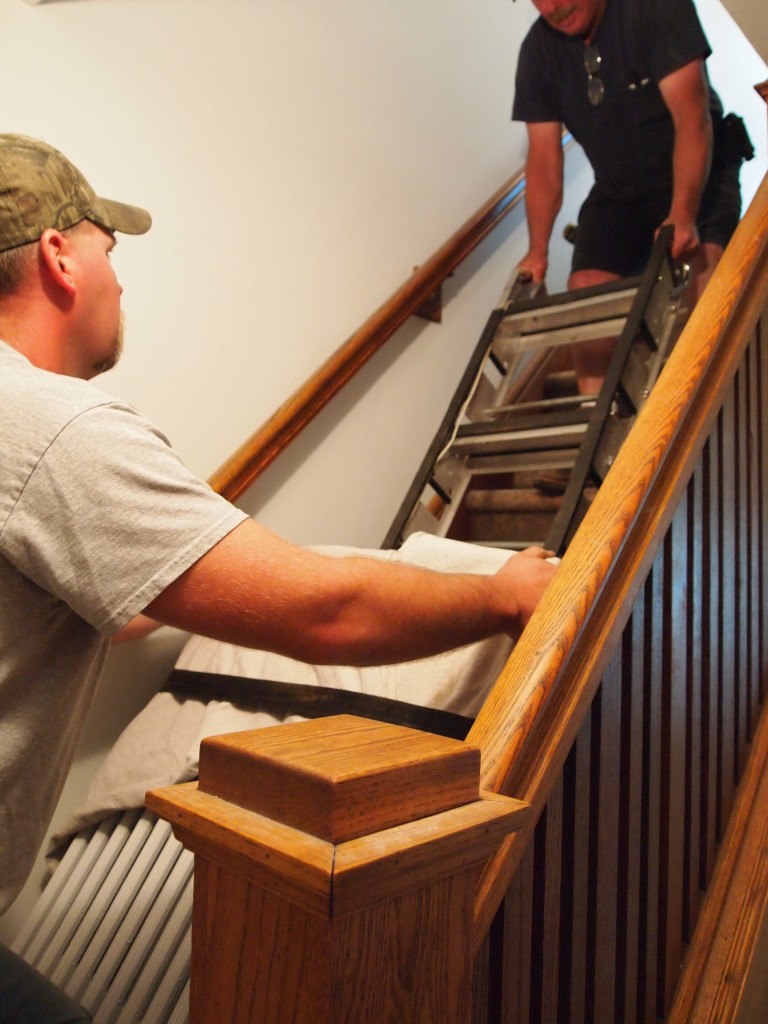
(517, 417)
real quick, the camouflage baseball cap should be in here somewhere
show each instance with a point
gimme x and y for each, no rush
(40, 188)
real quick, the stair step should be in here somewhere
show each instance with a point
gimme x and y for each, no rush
(524, 528)
(518, 418)
(511, 500)
(560, 384)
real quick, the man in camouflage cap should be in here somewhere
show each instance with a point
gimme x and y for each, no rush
(40, 188)
(100, 521)
(42, 193)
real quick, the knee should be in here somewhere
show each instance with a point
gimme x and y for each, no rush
(702, 264)
(588, 278)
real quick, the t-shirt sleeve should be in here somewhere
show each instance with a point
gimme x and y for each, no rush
(110, 516)
(674, 36)
(537, 97)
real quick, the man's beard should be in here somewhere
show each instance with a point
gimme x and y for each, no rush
(560, 15)
(113, 358)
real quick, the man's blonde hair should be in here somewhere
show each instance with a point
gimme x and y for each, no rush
(14, 265)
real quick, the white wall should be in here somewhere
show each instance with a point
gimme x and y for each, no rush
(299, 157)
(750, 16)
(735, 69)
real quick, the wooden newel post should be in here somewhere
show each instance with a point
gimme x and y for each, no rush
(335, 869)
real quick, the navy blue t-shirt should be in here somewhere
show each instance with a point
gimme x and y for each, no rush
(627, 137)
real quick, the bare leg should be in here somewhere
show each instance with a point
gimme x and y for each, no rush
(702, 264)
(590, 361)
(591, 358)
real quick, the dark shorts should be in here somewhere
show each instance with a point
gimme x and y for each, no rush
(615, 232)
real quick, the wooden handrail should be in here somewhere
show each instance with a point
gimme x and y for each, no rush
(263, 447)
(529, 721)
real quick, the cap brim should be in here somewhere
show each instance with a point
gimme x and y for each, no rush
(130, 220)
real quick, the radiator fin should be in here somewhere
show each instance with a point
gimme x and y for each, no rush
(112, 927)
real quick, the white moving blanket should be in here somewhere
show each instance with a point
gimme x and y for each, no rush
(160, 747)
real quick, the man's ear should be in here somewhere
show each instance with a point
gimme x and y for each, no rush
(57, 255)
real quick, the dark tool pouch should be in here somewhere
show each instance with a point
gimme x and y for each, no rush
(732, 141)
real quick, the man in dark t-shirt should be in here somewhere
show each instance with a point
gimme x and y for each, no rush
(628, 79)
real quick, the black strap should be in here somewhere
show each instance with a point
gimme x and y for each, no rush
(283, 699)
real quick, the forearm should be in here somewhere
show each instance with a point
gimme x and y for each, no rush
(543, 199)
(543, 194)
(256, 590)
(350, 611)
(691, 161)
(686, 94)
(363, 612)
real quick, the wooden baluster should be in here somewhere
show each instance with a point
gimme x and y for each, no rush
(335, 868)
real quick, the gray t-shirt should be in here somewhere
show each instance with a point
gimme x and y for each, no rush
(97, 516)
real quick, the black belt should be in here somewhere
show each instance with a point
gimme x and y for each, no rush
(284, 699)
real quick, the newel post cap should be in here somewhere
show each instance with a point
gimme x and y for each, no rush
(334, 812)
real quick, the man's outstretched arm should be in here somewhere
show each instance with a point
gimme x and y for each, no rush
(258, 590)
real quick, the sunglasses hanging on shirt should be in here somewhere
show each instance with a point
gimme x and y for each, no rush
(595, 86)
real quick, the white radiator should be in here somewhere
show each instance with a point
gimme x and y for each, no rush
(112, 927)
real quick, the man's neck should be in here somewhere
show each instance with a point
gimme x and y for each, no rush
(598, 17)
(34, 343)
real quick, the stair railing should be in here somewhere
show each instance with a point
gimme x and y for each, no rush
(603, 570)
(625, 715)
